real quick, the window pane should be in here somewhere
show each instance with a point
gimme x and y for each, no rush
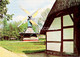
(53, 46)
(67, 21)
(56, 24)
(68, 47)
(68, 33)
(54, 36)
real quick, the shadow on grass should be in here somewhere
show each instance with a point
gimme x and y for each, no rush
(38, 43)
(33, 51)
(36, 53)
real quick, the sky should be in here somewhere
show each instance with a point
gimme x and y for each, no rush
(30, 5)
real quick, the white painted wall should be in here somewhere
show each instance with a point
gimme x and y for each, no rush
(68, 33)
(54, 36)
(53, 46)
(67, 21)
(68, 47)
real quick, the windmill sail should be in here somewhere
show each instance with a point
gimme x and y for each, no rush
(25, 10)
(35, 13)
(24, 19)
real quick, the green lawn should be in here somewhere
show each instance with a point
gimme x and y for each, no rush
(23, 47)
(42, 39)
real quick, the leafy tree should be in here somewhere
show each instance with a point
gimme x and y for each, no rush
(10, 29)
(14, 30)
(35, 28)
(44, 14)
(8, 16)
(5, 27)
(23, 27)
(3, 8)
(43, 17)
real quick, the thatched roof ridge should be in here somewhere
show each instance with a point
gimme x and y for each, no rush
(63, 4)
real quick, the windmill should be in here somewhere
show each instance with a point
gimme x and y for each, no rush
(29, 20)
(29, 32)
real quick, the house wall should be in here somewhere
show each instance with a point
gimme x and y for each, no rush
(61, 39)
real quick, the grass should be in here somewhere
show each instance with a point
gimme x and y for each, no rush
(42, 39)
(23, 47)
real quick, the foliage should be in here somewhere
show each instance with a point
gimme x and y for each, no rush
(14, 30)
(35, 28)
(5, 28)
(8, 17)
(42, 39)
(3, 8)
(23, 47)
(10, 29)
(39, 23)
(23, 27)
(44, 14)
(43, 17)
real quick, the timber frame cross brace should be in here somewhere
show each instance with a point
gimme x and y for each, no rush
(71, 17)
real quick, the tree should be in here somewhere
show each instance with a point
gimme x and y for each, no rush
(35, 28)
(14, 30)
(44, 14)
(8, 16)
(3, 8)
(5, 31)
(43, 17)
(10, 30)
(23, 27)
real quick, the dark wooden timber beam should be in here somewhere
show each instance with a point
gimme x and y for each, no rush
(46, 41)
(53, 30)
(71, 17)
(53, 41)
(76, 15)
(61, 34)
(68, 27)
(68, 40)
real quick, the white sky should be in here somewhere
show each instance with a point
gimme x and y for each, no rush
(30, 5)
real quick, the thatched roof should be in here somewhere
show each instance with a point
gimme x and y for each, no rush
(63, 4)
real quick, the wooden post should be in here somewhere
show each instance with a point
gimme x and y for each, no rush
(77, 29)
(46, 41)
(61, 34)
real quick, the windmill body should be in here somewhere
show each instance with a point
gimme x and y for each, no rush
(29, 29)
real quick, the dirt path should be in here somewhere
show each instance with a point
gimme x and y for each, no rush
(6, 53)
